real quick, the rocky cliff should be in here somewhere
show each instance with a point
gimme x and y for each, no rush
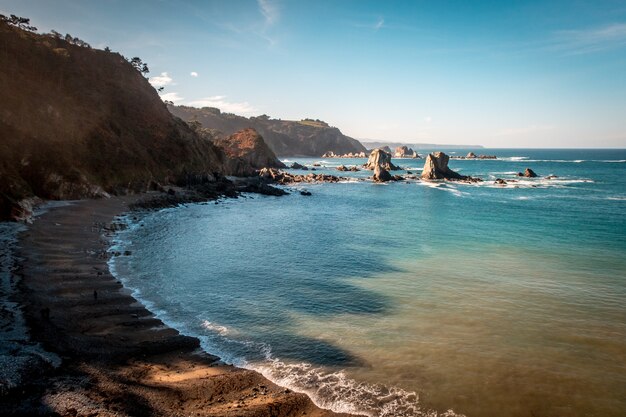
(78, 122)
(285, 137)
(247, 152)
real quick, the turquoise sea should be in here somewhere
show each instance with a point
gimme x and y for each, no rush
(409, 298)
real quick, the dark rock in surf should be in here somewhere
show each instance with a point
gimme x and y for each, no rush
(529, 173)
(381, 175)
(436, 168)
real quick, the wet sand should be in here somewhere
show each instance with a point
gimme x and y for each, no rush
(118, 359)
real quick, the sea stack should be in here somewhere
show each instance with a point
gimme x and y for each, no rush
(381, 175)
(436, 168)
(405, 152)
(380, 158)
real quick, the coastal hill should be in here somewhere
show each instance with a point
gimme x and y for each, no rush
(80, 122)
(247, 152)
(306, 137)
(372, 144)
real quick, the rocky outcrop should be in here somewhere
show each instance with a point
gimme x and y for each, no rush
(282, 177)
(380, 158)
(529, 173)
(405, 152)
(344, 168)
(296, 165)
(472, 155)
(381, 175)
(345, 155)
(436, 168)
(247, 153)
(307, 138)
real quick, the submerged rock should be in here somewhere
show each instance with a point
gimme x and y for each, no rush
(436, 168)
(296, 165)
(500, 181)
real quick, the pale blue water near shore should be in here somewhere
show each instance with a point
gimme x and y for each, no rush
(410, 298)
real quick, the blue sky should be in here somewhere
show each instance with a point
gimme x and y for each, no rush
(496, 73)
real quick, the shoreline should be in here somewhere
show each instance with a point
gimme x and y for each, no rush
(117, 357)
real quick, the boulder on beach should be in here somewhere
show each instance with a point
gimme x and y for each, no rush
(381, 175)
(529, 173)
(380, 158)
(436, 168)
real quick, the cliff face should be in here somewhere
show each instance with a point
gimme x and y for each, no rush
(247, 152)
(77, 122)
(284, 137)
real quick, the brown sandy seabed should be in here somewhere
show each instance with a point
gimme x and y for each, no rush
(118, 359)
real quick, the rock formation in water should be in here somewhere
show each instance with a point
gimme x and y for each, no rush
(381, 175)
(282, 177)
(436, 168)
(380, 158)
(472, 155)
(332, 154)
(296, 165)
(344, 168)
(529, 173)
(405, 152)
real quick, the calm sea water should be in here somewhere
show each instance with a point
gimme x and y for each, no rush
(410, 298)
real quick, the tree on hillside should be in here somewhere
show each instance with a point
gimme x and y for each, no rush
(20, 22)
(139, 65)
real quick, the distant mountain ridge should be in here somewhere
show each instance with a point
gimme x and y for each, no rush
(371, 144)
(306, 137)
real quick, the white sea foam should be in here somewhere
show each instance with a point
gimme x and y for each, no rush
(337, 392)
(222, 330)
(508, 158)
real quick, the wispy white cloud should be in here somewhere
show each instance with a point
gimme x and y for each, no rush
(584, 41)
(243, 108)
(376, 26)
(269, 10)
(161, 80)
(380, 23)
(173, 97)
(428, 119)
(193, 74)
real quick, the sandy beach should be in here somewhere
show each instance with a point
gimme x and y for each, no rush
(117, 358)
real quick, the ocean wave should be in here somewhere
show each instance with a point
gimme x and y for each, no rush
(222, 330)
(337, 392)
(505, 158)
